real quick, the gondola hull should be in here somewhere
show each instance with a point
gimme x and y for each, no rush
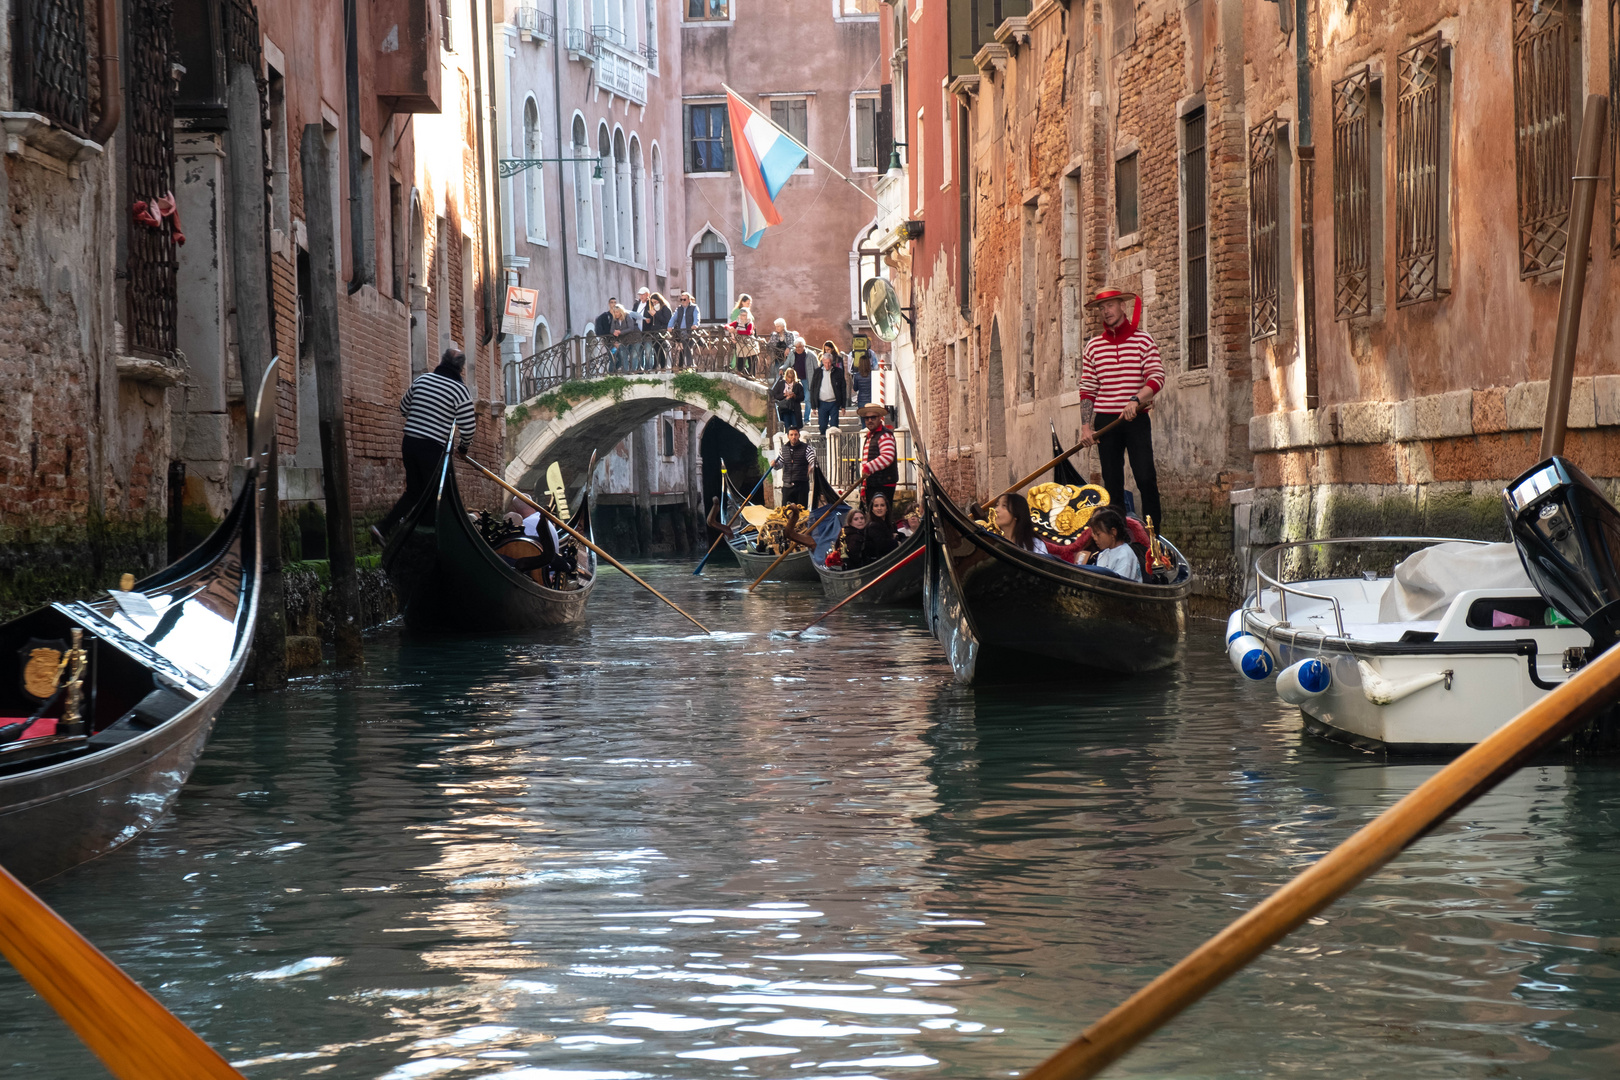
(450, 580)
(904, 586)
(796, 567)
(1004, 614)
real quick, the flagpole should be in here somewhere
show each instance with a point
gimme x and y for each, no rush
(797, 143)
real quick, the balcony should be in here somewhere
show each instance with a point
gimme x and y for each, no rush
(532, 23)
(621, 67)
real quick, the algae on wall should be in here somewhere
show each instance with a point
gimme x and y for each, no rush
(43, 564)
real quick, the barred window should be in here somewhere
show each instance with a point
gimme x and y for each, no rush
(1126, 213)
(52, 66)
(1422, 173)
(1353, 282)
(1544, 42)
(149, 140)
(1265, 239)
(1195, 239)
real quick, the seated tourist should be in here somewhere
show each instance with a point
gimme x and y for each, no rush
(910, 523)
(1013, 522)
(880, 539)
(851, 549)
(1114, 551)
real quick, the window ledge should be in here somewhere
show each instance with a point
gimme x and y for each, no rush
(143, 369)
(707, 175)
(1129, 240)
(538, 240)
(1193, 377)
(30, 135)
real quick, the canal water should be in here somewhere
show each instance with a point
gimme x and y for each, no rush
(626, 851)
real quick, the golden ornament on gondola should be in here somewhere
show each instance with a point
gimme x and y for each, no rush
(1061, 512)
(773, 533)
(42, 670)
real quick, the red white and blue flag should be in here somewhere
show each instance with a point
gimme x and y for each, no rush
(765, 158)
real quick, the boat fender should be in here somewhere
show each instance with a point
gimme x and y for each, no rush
(1234, 626)
(1382, 691)
(1298, 683)
(1251, 658)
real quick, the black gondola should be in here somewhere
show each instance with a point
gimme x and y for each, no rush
(796, 567)
(1005, 613)
(449, 579)
(903, 586)
(158, 661)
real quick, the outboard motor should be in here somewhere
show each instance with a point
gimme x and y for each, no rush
(1568, 536)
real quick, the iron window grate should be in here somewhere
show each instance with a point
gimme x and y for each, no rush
(1264, 238)
(1352, 196)
(153, 311)
(1194, 172)
(1543, 104)
(1419, 125)
(52, 66)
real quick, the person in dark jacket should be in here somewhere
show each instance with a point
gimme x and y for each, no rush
(604, 321)
(787, 394)
(880, 538)
(799, 358)
(657, 323)
(827, 389)
(797, 460)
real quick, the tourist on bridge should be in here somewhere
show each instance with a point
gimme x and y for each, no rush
(827, 389)
(779, 344)
(640, 345)
(799, 358)
(436, 400)
(787, 394)
(1120, 374)
(797, 460)
(860, 376)
(742, 325)
(604, 322)
(657, 324)
(878, 464)
(625, 328)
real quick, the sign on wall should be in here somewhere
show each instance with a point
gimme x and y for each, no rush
(522, 305)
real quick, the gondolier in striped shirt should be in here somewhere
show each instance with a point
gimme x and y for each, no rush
(1120, 374)
(436, 400)
(879, 467)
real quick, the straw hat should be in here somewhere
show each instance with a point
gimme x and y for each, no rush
(871, 410)
(1110, 294)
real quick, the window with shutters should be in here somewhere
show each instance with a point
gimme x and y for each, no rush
(1195, 236)
(863, 147)
(792, 115)
(1265, 240)
(708, 143)
(1545, 78)
(1353, 135)
(1126, 213)
(1422, 173)
(709, 285)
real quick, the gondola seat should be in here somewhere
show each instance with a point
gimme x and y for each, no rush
(153, 709)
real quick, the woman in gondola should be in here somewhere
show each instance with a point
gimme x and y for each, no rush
(1013, 522)
(851, 550)
(880, 536)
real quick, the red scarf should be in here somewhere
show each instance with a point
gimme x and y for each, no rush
(1117, 334)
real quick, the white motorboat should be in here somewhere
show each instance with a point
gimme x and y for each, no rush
(1433, 657)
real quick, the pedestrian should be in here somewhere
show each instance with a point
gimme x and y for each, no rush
(778, 345)
(436, 401)
(641, 346)
(797, 460)
(879, 462)
(604, 321)
(742, 325)
(1120, 375)
(787, 394)
(624, 330)
(827, 389)
(800, 357)
(657, 325)
(862, 380)
(682, 322)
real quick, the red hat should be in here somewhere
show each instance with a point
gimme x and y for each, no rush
(1110, 294)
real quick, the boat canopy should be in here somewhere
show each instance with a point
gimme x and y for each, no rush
(1426, 582)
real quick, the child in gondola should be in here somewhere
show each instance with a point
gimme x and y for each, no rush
(1114, 551)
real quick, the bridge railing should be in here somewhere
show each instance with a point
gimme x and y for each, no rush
(703, 348)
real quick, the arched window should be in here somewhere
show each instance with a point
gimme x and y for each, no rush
(659, 247)
(610, 192)
(584, 224)
(864, 266)
(638, 201)
(621, 196)
(709, 286)
(534, 191)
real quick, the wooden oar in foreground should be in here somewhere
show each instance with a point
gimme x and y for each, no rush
(857, 592)
(1376, 843)
(132, 1034)
(733, 521)
(842, 495)
(565, 527)
(1075, 449)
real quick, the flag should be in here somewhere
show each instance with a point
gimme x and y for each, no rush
(765, 157)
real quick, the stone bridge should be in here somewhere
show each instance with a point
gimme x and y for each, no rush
(595, 410)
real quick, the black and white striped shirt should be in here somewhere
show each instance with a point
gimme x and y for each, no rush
(432, 404)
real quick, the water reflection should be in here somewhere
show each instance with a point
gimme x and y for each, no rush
(616, 851)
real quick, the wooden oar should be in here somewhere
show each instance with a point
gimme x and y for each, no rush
(1452, 788)
(857, 592)
(733, 521)
(842, 495)
(132, 1034)
(563, 525)
(1118, 420)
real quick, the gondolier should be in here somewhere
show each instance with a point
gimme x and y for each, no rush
(796, 459)
(1120, 375)
(435, 401)
(879, 466)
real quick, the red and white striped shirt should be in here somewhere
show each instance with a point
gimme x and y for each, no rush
(1111, 371)
(885, 451)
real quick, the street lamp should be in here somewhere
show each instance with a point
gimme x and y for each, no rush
(895, 167)
(513, 166)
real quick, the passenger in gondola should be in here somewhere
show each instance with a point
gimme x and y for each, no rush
(851, 549)
(1013, 522)
(909, 524)
(1114, 551)
(880, 538)
(552, 561)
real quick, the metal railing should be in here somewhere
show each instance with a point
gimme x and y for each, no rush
(1284, 590)
(532, 22)
(705, 349)
(579, 40)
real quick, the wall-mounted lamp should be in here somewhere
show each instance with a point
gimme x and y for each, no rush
(513, 166)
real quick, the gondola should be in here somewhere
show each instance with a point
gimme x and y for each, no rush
(796, 567)
(1003, 613)
(904, 586)
(450, 580)
(86, 768)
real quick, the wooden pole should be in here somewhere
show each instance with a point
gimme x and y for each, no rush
(1594, 126)
(1452, 788)
(255, 335)
(1053, 463)
(135, 1037)
(733, 521)
(860, 590)
(842, 495)
(565, 527)
(326, 346)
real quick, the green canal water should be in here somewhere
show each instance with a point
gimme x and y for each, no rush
(622, 851)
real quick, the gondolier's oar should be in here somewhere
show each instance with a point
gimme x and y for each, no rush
(857, 592)
(1118, 420)
(842, 495)
(730, 523)
(1376, 843)
(126, 1027)
(569, 529)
